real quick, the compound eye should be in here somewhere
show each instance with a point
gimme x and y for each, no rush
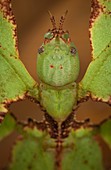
(48, 35)
(73, 50)
(41, 50)
(65, 36)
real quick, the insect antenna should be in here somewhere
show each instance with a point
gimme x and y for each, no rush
(62, 19)
(52, 20)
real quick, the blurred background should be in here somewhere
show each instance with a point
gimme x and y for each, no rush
(33, 21)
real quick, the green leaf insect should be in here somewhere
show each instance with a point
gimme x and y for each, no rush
(59, 141)
(57, 65)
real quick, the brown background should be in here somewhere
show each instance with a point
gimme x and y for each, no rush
(33, 21)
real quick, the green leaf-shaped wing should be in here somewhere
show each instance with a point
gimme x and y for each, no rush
(97, 80)
(15, 81)
(29, 153)
(83, 154)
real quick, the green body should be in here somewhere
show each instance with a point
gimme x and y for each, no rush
(58, 68)
(58, 102)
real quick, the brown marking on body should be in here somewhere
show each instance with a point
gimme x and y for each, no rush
(96, 9)
(61, 67)
(51, 66)
(51, 126)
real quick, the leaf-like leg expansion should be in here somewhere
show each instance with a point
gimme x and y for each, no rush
(30, 150)
(96, 82)
(15, 81)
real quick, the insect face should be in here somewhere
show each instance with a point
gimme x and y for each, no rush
(58, 62)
